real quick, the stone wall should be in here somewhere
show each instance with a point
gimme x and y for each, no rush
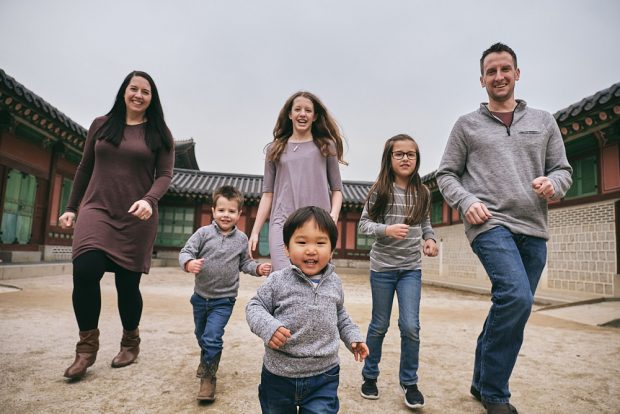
(581, 257)
(582, 249)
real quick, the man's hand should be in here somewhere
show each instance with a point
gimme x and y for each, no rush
(477, 213)
(543, 188)
(279, 338)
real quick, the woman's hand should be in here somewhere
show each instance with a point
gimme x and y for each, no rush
(252, 243)
(141, 209)
(67, 219)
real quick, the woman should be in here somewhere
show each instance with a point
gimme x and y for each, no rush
(125, 169)
(301, 169)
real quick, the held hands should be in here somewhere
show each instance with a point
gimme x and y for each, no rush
(66, 220)
(430, 248)
(397, 231)
(543, 188)
(141, 209)
(477, 213)
(264, 269)
(360, 351)
(279, 338)
(195, 265)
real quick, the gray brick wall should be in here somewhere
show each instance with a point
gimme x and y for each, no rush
(581, 253)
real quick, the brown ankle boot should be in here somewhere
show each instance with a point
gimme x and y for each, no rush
(130, 348)
(201, 367)
(85, 354)
(208, 381)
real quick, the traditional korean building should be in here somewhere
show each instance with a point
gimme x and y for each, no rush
(40, 148)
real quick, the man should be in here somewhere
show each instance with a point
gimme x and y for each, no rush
(501, 166)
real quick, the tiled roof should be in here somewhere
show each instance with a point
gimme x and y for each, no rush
(184, 154)
(588, 104)
(200, 184)
(39, 112)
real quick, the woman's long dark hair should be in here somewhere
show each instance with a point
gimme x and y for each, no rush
(324, 129)
(156, 134)
(417, 196)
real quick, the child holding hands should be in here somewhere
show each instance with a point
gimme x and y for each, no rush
(300, 316)
(396, 212)
(215, 254)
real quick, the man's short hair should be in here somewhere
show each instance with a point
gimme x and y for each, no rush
(230, 193)
(497, 48)
(301, 216)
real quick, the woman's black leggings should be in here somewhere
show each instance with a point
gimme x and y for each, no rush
(88, 269)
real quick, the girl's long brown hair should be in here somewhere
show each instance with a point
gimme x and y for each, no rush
(417, 196)
(325, 130)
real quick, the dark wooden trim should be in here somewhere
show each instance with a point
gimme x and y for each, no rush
(585, 200)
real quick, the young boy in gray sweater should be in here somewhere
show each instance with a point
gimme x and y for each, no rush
(215, 254)
(300, 316)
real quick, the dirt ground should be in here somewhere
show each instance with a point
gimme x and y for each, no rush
(564, 367)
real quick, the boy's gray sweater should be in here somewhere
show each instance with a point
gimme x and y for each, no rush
(225, 255)
(315, 315)
(485, 161)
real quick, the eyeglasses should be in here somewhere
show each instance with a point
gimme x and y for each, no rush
(399, 155)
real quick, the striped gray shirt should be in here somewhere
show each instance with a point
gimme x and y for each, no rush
(388, 253)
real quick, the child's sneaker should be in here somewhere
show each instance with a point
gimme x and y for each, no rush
(413, 396)
(369, 389)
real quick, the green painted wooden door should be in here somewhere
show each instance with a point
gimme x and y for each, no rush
(21, 189)
(263, 240)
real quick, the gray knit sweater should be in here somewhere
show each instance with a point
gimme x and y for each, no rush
(485, 161)
(388, 253)
(315, 315)
(225, 255)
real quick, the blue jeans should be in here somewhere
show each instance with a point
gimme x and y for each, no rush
(313, 395)
(514, 263)
(407, 284)
(210, 319)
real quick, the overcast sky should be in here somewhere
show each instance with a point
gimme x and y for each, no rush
(225, 68)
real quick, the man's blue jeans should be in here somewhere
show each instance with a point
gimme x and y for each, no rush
(210, 319)
(514, 263)
(313, 395)
(407, 284)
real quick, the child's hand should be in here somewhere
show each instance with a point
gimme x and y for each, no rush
(195, 265)
(279, 338)
(264, 269)
(360, 351)
(430, 248)
(397, 231)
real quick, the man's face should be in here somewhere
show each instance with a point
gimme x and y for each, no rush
(499, 76)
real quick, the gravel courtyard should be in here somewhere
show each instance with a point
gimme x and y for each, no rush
(564, 367)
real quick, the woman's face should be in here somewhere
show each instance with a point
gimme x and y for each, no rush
(302, 114)
(137, 96)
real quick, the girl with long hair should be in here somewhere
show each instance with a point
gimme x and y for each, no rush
(396, 213)
(301, 169)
